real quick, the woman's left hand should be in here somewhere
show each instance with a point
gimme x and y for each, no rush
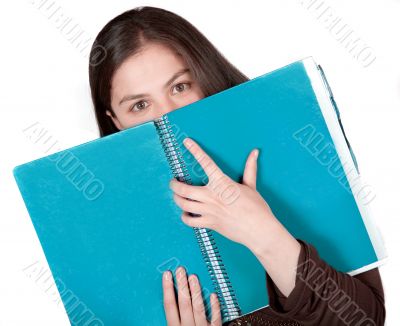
(240, 213)
(237, 211)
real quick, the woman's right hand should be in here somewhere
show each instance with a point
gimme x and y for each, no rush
(190, 310)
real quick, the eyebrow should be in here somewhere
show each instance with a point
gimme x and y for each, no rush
(175, 76)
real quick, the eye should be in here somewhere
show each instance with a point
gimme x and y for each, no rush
(181, 87)
(138, 106)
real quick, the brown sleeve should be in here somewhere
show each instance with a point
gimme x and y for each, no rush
(324, 296)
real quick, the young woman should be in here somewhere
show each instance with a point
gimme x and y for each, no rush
(153, 62)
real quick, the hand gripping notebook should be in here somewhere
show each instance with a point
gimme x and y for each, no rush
(108, 225)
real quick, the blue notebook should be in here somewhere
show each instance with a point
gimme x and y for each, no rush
(108, 225)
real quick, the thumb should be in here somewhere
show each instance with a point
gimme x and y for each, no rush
(250, 170)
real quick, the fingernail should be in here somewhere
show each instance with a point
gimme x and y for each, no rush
(166, 276)
(256, 151)
(187, 141)
(181, 271)
(193, 280)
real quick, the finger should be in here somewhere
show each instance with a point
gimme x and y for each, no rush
(215, 311)
(250, 170)
(197, 301)
(170, 306)
(208, 165)
(192, 206)
(199, 193)
(198, 222)
(184, 300)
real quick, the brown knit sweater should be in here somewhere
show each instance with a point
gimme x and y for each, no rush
(322, 296)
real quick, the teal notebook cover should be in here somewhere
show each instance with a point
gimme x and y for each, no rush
(108, 225)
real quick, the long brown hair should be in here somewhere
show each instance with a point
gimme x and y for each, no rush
(126, 34)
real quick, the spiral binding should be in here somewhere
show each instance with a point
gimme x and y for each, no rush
(229, 306)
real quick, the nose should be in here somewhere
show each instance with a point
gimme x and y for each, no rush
(167, 106)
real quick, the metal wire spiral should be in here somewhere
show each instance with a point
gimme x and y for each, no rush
(229, 305)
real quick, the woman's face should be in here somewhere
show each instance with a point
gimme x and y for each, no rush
(149, 84)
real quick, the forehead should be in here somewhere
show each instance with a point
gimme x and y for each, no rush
(149, 68)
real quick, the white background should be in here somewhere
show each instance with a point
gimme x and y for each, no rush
(44, 80)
